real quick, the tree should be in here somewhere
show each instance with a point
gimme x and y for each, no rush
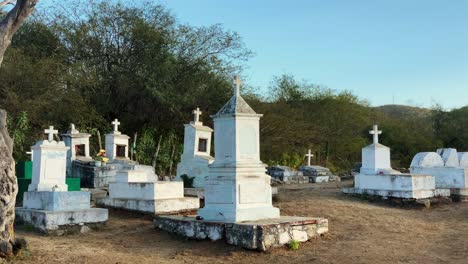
(8, 182)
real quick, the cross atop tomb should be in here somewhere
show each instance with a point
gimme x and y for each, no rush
(237, 83)
(51, 133)
(197, 113)
(309, 155)
(376, 132)
(116, 124)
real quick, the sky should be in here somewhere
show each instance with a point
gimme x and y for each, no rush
(399, 51)
(412, 52)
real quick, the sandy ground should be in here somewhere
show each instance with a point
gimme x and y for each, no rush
(360, 232)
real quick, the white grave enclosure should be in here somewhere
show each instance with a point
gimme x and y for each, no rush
(48, 205)
(378, 178)
(78, 144)
(447, 166)
(117, 143)
(237, 188)
(139, 190)
(196, 157)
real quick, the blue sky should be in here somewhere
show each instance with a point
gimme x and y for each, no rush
(404, 51)
(408, 52)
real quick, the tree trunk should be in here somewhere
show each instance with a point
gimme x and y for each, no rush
(8, 183)
(8, 190)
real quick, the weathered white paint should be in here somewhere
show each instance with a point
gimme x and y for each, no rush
(237, 188)
(72, 138)
(449, 156)
(463, 159)
(56, 201)
(112, 140)
(49, 166)
(445, 177)
(194, 163)
(427, 159)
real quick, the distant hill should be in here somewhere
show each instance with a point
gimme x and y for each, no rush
(404, 111)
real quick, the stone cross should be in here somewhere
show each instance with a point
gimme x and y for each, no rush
(237, 83)
(197, 113)
(116, 124)
(51, 133)
(376, 132)
(309, 155)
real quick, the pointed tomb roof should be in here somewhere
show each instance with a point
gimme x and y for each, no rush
(237, 104)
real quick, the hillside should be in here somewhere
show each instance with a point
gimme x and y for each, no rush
(404, 111)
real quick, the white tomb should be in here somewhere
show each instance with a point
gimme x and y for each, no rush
(378, 178)
(140, 190)
(78, 144)
(316, 174)
(449, 168)
(117, 144)
(196, 157)
(237, 188)
(47, 204)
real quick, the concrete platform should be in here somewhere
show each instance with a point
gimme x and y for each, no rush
(416, 194)
(155, 206)
(56, 201)
(51, 221)
(256, 235)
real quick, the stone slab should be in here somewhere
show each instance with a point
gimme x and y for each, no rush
(416, 194)
(156, 206)
(47, 221)
(146, 190)
(56, 201)
(259, 235)
(319, 179)
(195, 192)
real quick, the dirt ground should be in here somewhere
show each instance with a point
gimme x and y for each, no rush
(359, 232)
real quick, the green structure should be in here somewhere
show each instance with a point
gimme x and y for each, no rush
(24, 175)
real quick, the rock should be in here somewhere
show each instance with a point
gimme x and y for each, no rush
(85, 229)
(6, 249)
(60, 232)
(19, 244)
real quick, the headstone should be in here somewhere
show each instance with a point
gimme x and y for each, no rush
(309, 156)
(237, 188)
(450, 157)
(375, 157)
(49, 164)
(463, 159)
(117, 143)
(196, 157)
(427, 159)
(78, 144)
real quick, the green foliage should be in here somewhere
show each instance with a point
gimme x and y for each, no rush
(294, 245)
(188, 181)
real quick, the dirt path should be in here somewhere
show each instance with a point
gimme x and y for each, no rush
(360, 232)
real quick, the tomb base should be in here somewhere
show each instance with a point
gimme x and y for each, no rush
(319, 179)
(395, 185)
(56, 201)
(195, 192)
(50, 222)
(155, 206)
(259, 235)
(460, 194)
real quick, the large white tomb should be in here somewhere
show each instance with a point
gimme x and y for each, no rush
(196, 157)
(238, 203)
(48, 205)
(449, 167)
(140, 190)
(378, 178)
(237, 188)
(117, 144)
(78, 147)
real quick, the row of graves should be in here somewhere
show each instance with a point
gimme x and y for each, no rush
(442, 173)
(236, 189)
(305, 174)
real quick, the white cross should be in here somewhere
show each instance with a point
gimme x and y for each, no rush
(116, 124)
(309, 155)
(51, 133)
(375, 131)
(237, 83)
(197, 113)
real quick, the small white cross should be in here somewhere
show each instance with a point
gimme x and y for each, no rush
(197, 113)
(237, 83)
(51, 133)
(375, 131)
(116, 124)
(309, 155)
